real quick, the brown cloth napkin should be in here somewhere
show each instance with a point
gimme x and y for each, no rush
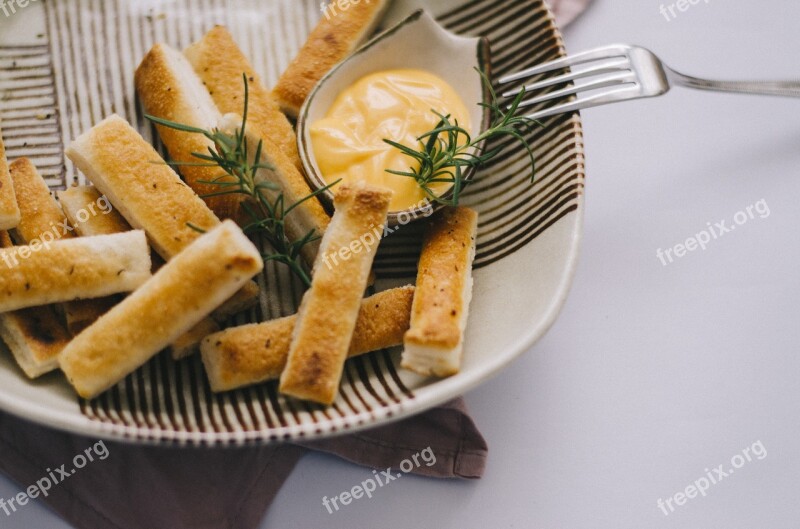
(192, 488)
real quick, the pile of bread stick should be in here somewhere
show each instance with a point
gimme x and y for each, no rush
(98, 281)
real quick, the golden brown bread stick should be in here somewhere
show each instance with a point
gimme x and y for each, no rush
(9, 212)
(249, 354)
(35, 335)
(329, 310)
(337, 35)
(220, 63)
(169, 89)
(79, 199)
(176, 298)
(137, 181)
(39, 211)
(68, 269)
(434, 343)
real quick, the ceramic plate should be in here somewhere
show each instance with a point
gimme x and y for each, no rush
(67, 64)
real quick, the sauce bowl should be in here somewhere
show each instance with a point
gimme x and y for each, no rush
(408, 45)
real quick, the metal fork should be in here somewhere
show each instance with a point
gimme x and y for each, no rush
(620, 72)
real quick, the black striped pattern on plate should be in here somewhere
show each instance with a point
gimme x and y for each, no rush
(84, 72)
(28, 114)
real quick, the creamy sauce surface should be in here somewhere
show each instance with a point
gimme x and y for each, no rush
(397, 105)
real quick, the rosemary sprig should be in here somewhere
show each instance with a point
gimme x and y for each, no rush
(266, 216)
(445, 152)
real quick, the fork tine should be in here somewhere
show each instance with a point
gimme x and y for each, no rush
(603, 67)
(605, 52)
(600, 82)
(612, 96)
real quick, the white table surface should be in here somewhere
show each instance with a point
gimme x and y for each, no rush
(652, 373)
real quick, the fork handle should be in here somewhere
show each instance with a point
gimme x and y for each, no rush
(770, 88)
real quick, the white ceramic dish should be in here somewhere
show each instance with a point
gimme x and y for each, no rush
(66, 65)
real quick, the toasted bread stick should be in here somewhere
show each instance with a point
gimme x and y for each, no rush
(89, 212)
(169, 89)
(39, 211)
(147, 192)
(254, 353)
(434, 344)
(176, 298)
(140, 185)
(42, 219)
(309, 215)
(75, 201)
(329, 310)
(9, 212)
(35, 335)
(220, 64)
(68, 269)
(336, 36)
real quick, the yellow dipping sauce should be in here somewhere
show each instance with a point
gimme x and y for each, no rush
(396, 105)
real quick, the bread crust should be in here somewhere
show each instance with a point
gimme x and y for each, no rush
(444, 285)
(177, 297)
(9, 211)
(220, 63)
(254, 353)
(169, 89)
(329, 310)
(334, 38)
